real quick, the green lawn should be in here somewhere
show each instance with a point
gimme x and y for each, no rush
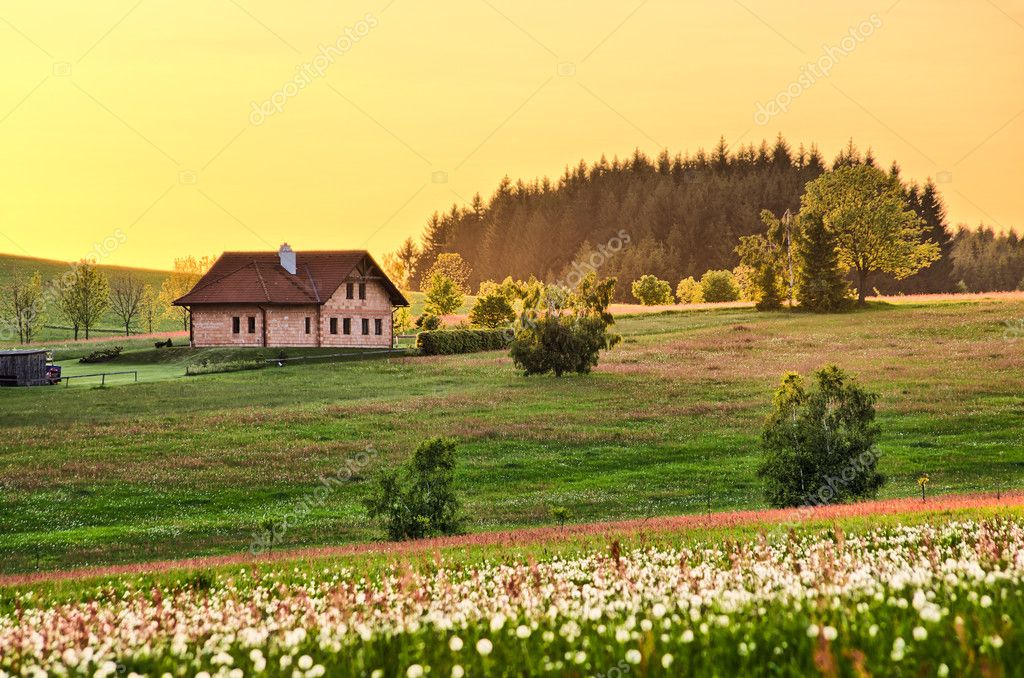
(669, 423)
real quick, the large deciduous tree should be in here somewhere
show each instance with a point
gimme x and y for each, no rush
(874, 228)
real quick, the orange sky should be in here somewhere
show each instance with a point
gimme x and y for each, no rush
(139, 114)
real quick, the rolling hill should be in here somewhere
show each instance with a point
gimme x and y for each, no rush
(11, 265)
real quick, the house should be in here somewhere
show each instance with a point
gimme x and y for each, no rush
(23, 368)
(293, 299)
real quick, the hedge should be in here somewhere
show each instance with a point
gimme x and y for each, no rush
(218, 368)
(447, 342)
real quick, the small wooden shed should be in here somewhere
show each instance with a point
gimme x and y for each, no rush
(22, 368)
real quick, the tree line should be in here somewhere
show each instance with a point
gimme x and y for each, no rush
(84, 295)
(684, 215)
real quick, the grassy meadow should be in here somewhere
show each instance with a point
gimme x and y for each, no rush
(668, 424)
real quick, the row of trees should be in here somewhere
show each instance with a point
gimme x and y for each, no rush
(854, 222)
(984, 261)
(683, 214)
(85, 295)
(713, 287)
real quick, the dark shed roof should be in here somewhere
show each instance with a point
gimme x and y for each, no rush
(259, 278)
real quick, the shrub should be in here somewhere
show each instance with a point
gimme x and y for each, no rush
(419, 500)
(650, 291)
(819, 446)
(164, 344)
(719, 286)
(449, 342)
(493, 309)
(563, 331)
(688, 291)
(428, 322)
(102, 355)
(561, 344)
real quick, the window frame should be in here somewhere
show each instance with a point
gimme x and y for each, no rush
(365, 326)
(334, 325)
(347, 326)
(378, 327)
(236, 324)
(350, 290)
(362, 291)
(252, 324)
(309, 325)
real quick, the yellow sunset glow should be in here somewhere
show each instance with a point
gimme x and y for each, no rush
(149, 116)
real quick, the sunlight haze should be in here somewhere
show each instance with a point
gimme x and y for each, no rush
(139, 115)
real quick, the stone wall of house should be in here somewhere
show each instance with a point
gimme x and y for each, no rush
(212, 325)
(376, 306)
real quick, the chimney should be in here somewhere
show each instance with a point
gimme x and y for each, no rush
(287, 255)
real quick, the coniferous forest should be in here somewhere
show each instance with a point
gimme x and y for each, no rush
(684, 215)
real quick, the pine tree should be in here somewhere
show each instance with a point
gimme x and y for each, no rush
(821, 286)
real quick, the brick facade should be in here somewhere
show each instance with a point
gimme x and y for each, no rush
(213, 324)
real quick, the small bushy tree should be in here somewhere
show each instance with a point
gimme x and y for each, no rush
(649, 290)
(444, 296)
(719, 286)
(493, 309)
(401, 320)
(819, 444)
(419, 500)
(151, 307)
(763, 259)
(561, 331)
(688, 291)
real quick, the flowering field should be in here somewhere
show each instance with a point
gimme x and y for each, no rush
(897, 600)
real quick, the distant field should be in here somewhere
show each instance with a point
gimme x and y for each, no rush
(668, 424)
(49, 269)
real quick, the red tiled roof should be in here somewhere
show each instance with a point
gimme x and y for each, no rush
(259, 278)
